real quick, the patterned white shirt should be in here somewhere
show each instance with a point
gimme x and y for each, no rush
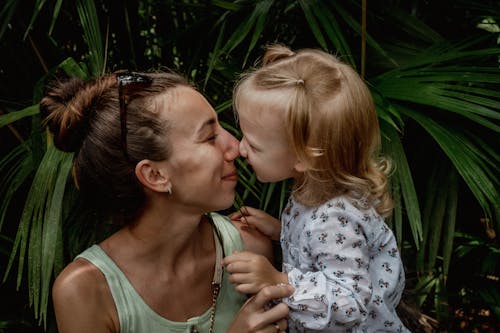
(344, 263)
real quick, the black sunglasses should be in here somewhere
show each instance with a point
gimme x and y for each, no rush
(127, 84)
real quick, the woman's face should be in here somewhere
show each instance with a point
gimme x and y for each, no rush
(201, 166)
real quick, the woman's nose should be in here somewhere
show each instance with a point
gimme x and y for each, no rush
(232, 151)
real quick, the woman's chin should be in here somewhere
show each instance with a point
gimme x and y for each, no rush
(225, 203)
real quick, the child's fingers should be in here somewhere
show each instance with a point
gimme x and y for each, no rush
(256, 222)
(235, 216)
(250, 211)
(239, 278)
(238, 256)
(238, 267)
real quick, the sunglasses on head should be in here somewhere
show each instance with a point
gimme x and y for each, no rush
(128, 83)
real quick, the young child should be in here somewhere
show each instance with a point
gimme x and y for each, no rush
(306, 115)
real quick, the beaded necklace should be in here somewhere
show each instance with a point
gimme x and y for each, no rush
(217, 278)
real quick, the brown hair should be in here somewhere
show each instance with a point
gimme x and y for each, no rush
(84, 118)
(330, 120)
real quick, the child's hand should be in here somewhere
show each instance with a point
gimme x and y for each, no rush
(252, 272)
(265, 223)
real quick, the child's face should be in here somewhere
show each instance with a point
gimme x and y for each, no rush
(264, 142)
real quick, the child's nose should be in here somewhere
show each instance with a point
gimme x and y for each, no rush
(243, 148)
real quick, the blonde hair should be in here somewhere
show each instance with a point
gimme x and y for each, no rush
(330, 120)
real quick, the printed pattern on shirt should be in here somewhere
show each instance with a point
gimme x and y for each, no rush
(344, 264)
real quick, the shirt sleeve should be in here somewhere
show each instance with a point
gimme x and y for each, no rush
(332, 284)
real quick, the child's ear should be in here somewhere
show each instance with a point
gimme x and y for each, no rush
(152, 176)
(300, 167)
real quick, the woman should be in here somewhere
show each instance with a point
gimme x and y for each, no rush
(151, 153)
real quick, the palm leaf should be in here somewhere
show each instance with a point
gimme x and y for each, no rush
(55, 15)
(52, 231)
(332, 29)
(30, 234)
(307, 8)
(11, 117)
(255, 21)
(427, 225)
(5, 245)
(450, 222)
(229, 5)
(38, 8)
(437, 220)
(469, 160)
(92, 33)
(424, 288)
(21, 166)
(404, 181)
(386, 111)
(356, 26)
(214, 56)
(262, 10)
(397, 215)
(6, 14)
(415, 27)
(74, 69)
(492, 298)
(248, 180)
(416, 87)
(266, 196)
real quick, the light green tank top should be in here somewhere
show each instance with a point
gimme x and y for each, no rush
(137, 317)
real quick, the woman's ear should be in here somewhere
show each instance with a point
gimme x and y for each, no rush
(152, 176)
(300, 167)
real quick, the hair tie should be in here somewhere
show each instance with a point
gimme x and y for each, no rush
(300, 82)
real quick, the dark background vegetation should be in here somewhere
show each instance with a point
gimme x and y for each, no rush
(434, 74)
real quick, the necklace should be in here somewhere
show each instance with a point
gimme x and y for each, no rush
(216, 280)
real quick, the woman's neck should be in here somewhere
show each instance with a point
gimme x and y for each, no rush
(163, 255)
(164, 235)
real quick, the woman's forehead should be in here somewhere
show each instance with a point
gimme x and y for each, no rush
(186, 109)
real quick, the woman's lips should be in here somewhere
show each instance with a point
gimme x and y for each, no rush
(233, 176)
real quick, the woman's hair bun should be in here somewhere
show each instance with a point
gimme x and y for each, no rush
(276, 52)
(67, 107)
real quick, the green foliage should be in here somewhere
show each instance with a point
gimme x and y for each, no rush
(432, 91)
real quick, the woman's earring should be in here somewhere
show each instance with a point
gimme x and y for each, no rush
(168, 188)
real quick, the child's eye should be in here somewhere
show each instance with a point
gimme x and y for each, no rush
(253, 148)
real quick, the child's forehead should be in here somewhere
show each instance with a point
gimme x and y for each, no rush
(261, 113)
(262, 101)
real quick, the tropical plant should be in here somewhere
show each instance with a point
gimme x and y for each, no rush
(437, 99)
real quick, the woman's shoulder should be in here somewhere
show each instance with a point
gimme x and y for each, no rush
(79, 279)
(82, 289)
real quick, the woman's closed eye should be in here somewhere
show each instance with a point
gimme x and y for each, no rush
(212, 137)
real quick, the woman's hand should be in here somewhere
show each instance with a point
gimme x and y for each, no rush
(252, 272)
(265, 223)
(257, 316)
